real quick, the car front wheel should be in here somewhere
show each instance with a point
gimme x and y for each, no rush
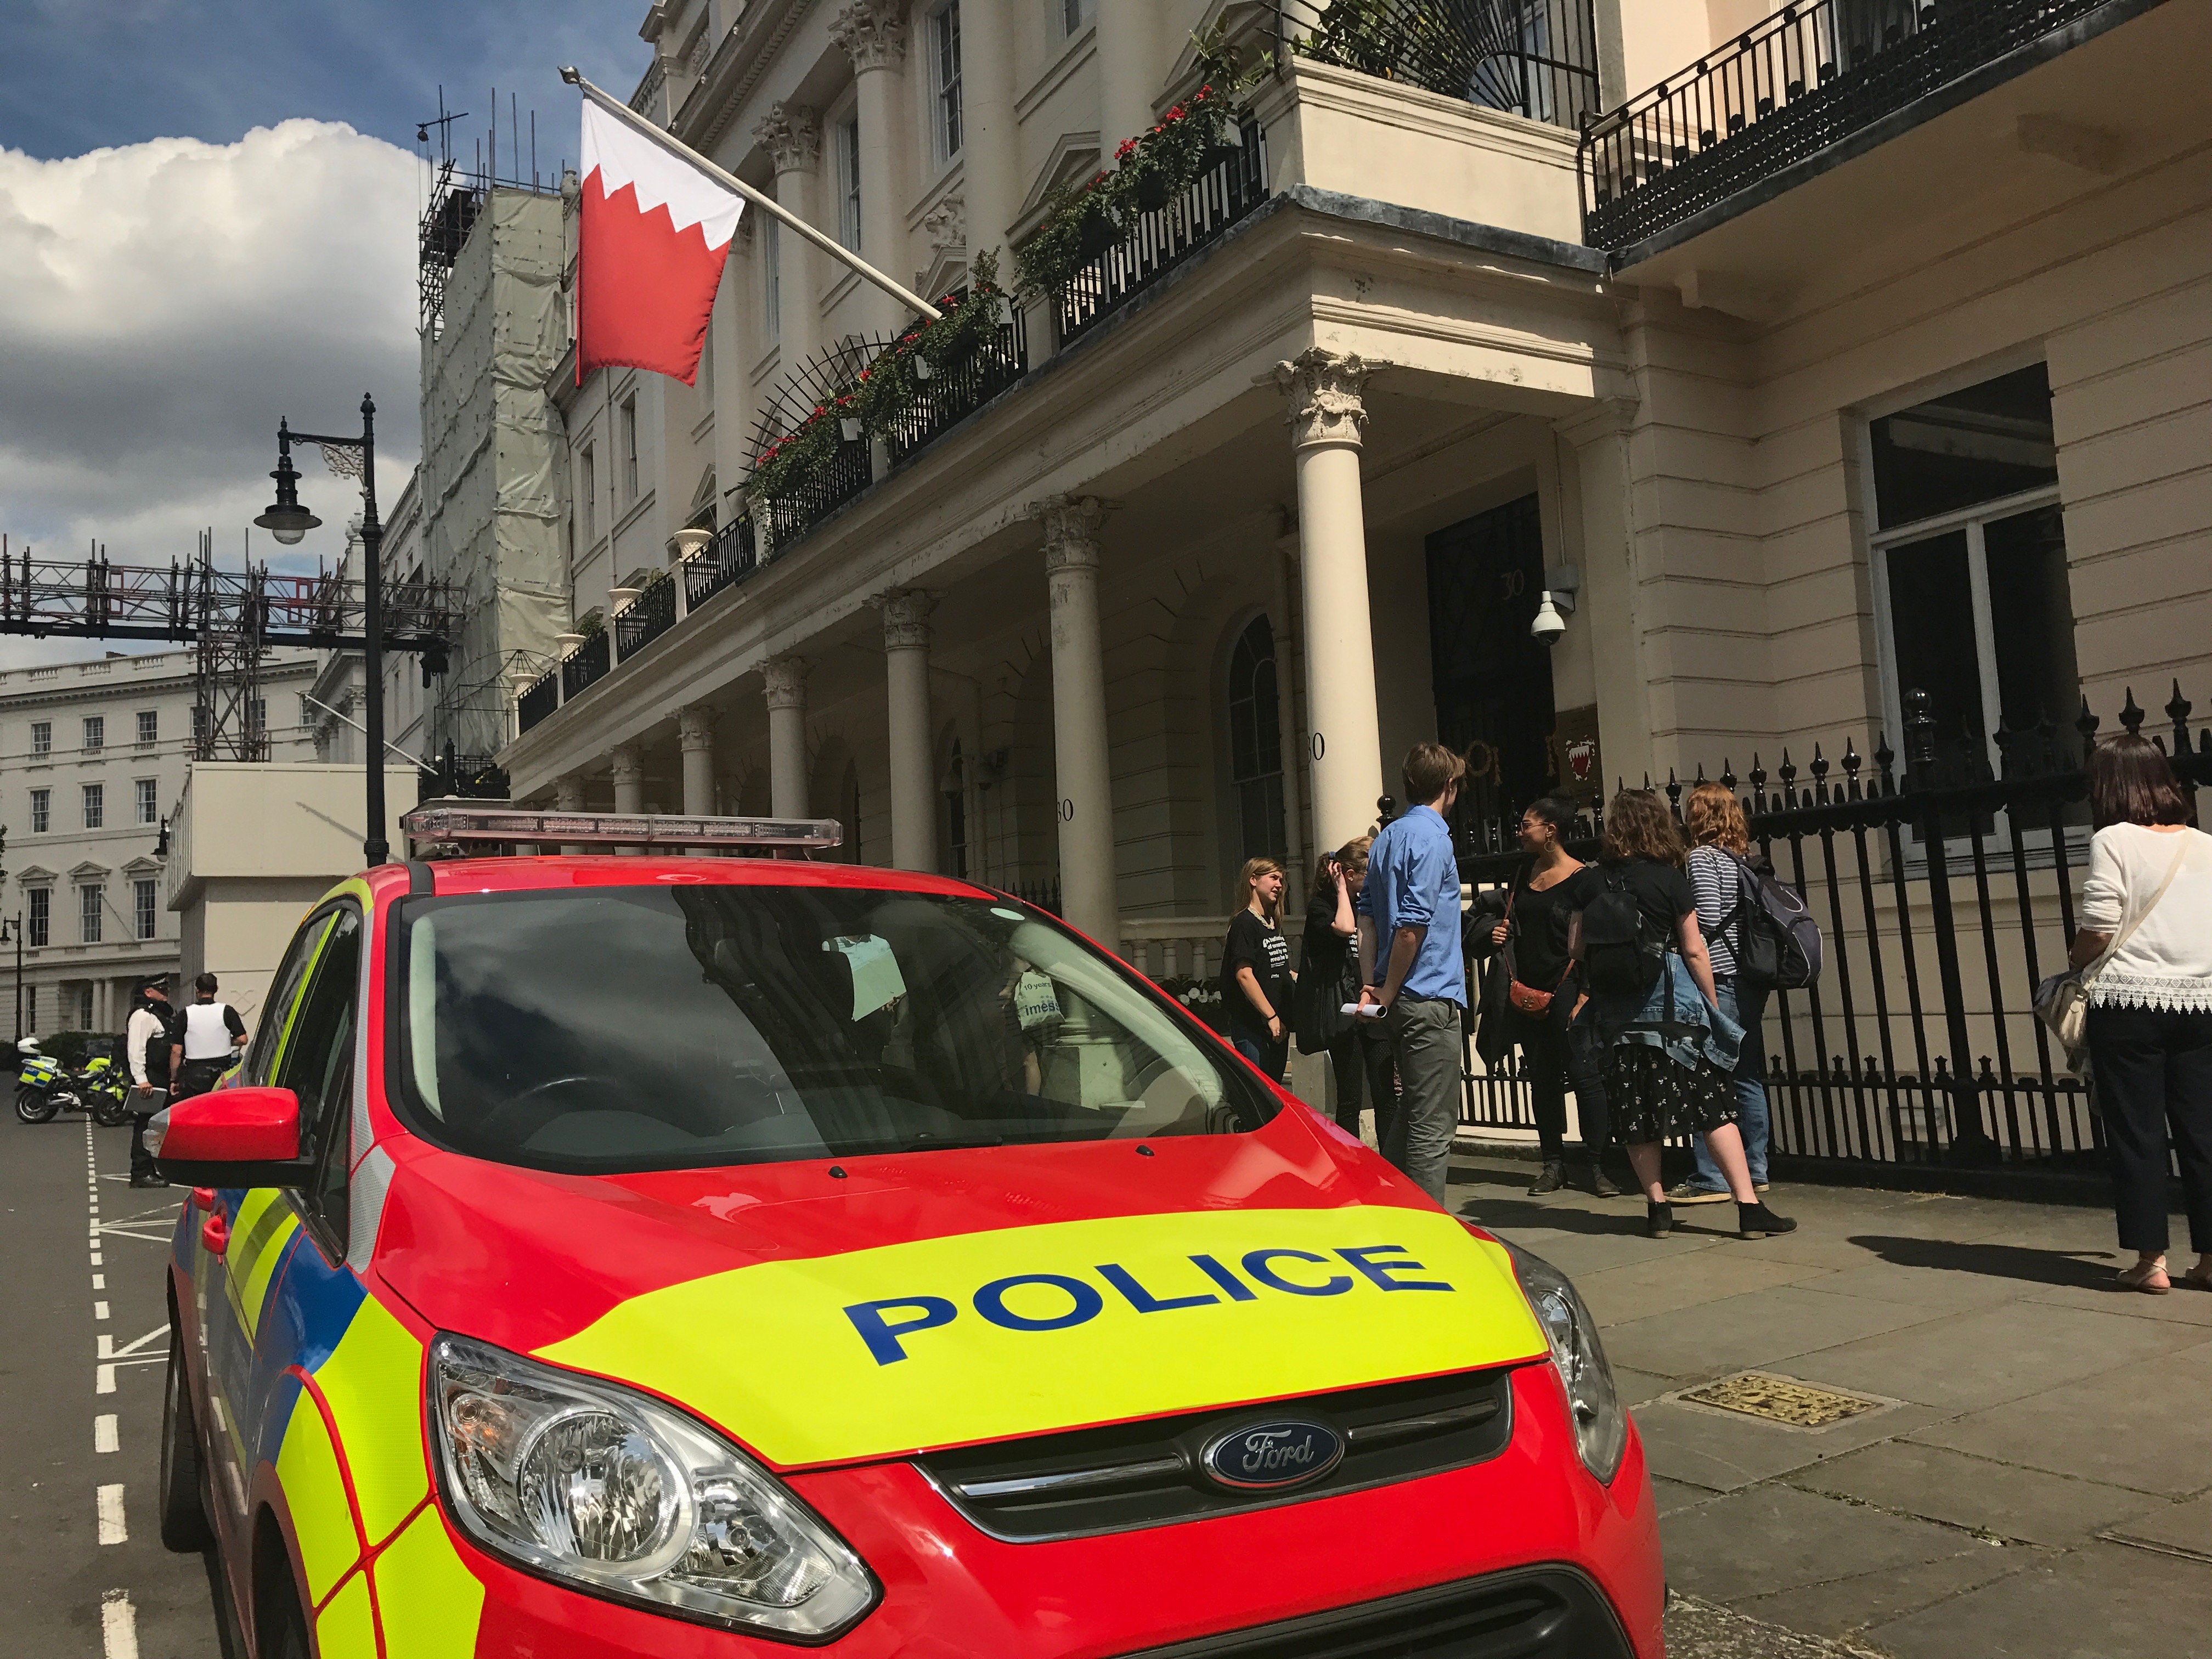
(184, 1513)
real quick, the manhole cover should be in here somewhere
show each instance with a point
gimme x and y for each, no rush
(1779, 1399)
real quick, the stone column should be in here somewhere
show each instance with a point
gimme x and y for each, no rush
(787, 735)
(1129, 69)
(873, 35)
(628, 766)
(568, 797)
(792, 136)
(912, 749)
(694, 737)
(1607, 610)
(1082, 770)
(990, 163)
(1344, 741)
(1287, 718)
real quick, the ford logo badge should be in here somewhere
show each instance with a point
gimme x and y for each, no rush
(1264, 1457)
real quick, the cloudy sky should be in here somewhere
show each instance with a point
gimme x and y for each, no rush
(206, 220)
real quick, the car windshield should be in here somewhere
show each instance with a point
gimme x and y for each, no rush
(677, 1024)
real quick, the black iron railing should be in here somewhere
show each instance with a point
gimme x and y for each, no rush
(1944, 895)
(1808, 77)
(956, 391)
(1163, 238)
(466, 777)
(645, 617)
(816, 496)
(540, 700)
(723, 563)
(1044, 893)
(1537, 58)
(586, 666)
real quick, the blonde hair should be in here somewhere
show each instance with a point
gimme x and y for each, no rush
(1715, 818)
(1253, 869)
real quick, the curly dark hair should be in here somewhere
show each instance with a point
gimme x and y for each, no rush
(1638, 825)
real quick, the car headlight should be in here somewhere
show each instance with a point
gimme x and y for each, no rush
(1600, 1425)
(581, 1481)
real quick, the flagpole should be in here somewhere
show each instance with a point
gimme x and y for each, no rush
(676, 146)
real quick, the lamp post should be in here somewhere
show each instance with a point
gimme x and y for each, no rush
(11, 927)
(287, 521)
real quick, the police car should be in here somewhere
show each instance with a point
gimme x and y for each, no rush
(685, 1255)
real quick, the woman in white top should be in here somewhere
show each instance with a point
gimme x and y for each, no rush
(2147, 921)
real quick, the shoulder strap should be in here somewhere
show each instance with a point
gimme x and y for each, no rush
(2180, 858)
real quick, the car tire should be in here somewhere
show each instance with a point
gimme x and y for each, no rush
(184, 1510)
(33, 1106)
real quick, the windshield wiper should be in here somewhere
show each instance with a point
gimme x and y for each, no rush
(929, 1141)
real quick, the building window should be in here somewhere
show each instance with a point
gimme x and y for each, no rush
(1969, 558)
(199, 722)
(1255, 744)
(1075, 16)
(148, 792)
(588, 498)
(42, 811)
(142, 907)
(149, 725)
(945, 69)
(84, 1008)
(771, 236)
(849, 182)
(89, 898)
(630, 449)
(257, 716)
(307, 711)
(38, 921)
(95, 805)
(95, 731)
(42, 737)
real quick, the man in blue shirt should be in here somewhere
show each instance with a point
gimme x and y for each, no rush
(1411, 966)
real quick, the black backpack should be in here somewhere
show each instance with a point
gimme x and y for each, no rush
(1776, 941)
(1621, 952)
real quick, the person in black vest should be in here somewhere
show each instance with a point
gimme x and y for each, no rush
(209, 1035)
(147, 1040)
(1328, 979)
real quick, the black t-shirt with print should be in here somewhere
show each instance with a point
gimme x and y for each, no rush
(1253, 944)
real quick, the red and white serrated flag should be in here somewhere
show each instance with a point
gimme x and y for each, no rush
(654, 234)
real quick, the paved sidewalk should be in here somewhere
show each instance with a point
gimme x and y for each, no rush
(2036, 1483)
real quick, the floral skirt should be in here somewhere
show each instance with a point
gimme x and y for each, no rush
(1654, 1097)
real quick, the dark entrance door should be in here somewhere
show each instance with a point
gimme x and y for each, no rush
(1494, 683)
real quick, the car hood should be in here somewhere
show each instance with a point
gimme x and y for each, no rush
(827, 1313)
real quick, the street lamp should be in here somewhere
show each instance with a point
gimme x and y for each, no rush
(287, 521)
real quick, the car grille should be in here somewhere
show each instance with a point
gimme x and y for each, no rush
(1524, 1614)
(1148, 1474)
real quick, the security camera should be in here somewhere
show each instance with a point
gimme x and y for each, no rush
(1549, 623)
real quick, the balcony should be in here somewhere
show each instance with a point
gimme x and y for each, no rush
(1533, 58)
(1818, 81)
(645, 617)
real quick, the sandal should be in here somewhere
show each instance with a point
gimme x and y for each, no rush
(2197, 1278)
(2147, 1276)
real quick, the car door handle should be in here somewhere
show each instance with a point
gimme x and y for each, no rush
(203, 1198)
(215, 1233)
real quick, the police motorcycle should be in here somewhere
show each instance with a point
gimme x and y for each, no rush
(44, 1087)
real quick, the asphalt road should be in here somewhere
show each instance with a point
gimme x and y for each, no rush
(83, 1338)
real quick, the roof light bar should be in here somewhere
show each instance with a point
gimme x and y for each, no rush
(507, 824)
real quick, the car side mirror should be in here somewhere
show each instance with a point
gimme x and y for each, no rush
(231, 1138)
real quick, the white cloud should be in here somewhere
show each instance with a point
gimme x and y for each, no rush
(165, 302)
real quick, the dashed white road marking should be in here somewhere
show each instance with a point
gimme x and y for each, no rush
(99, 1310)
(128, 1354)
(95, 1259)
(100, 1281)
(118, 1626)
(105, 1438)
(112, 1530)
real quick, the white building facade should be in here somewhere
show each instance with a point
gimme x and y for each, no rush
(93, 757)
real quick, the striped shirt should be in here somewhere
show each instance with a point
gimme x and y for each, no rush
(1716, 880)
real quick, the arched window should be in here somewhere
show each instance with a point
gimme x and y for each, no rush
(1255, 742)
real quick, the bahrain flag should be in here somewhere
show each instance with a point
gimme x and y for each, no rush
(654, 236)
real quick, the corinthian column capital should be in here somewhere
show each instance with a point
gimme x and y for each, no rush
(1071, 530)
(787, 681)
(792, 134)
(626, 763)
(695, 726)
(1326, 391)
(906, 619)
(872, 34)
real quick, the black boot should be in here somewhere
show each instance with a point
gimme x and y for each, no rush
(1756, 1220)
(1601, 1184)
(1658, 1219)
(1553, 1177)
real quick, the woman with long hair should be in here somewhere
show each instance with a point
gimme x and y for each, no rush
(1328, 978)
(1546, 993)
(1719, 867)
(1669, 1050)
(1256, 969)
(2146, 940)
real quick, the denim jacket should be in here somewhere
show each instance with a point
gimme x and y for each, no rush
(1673, 1015)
